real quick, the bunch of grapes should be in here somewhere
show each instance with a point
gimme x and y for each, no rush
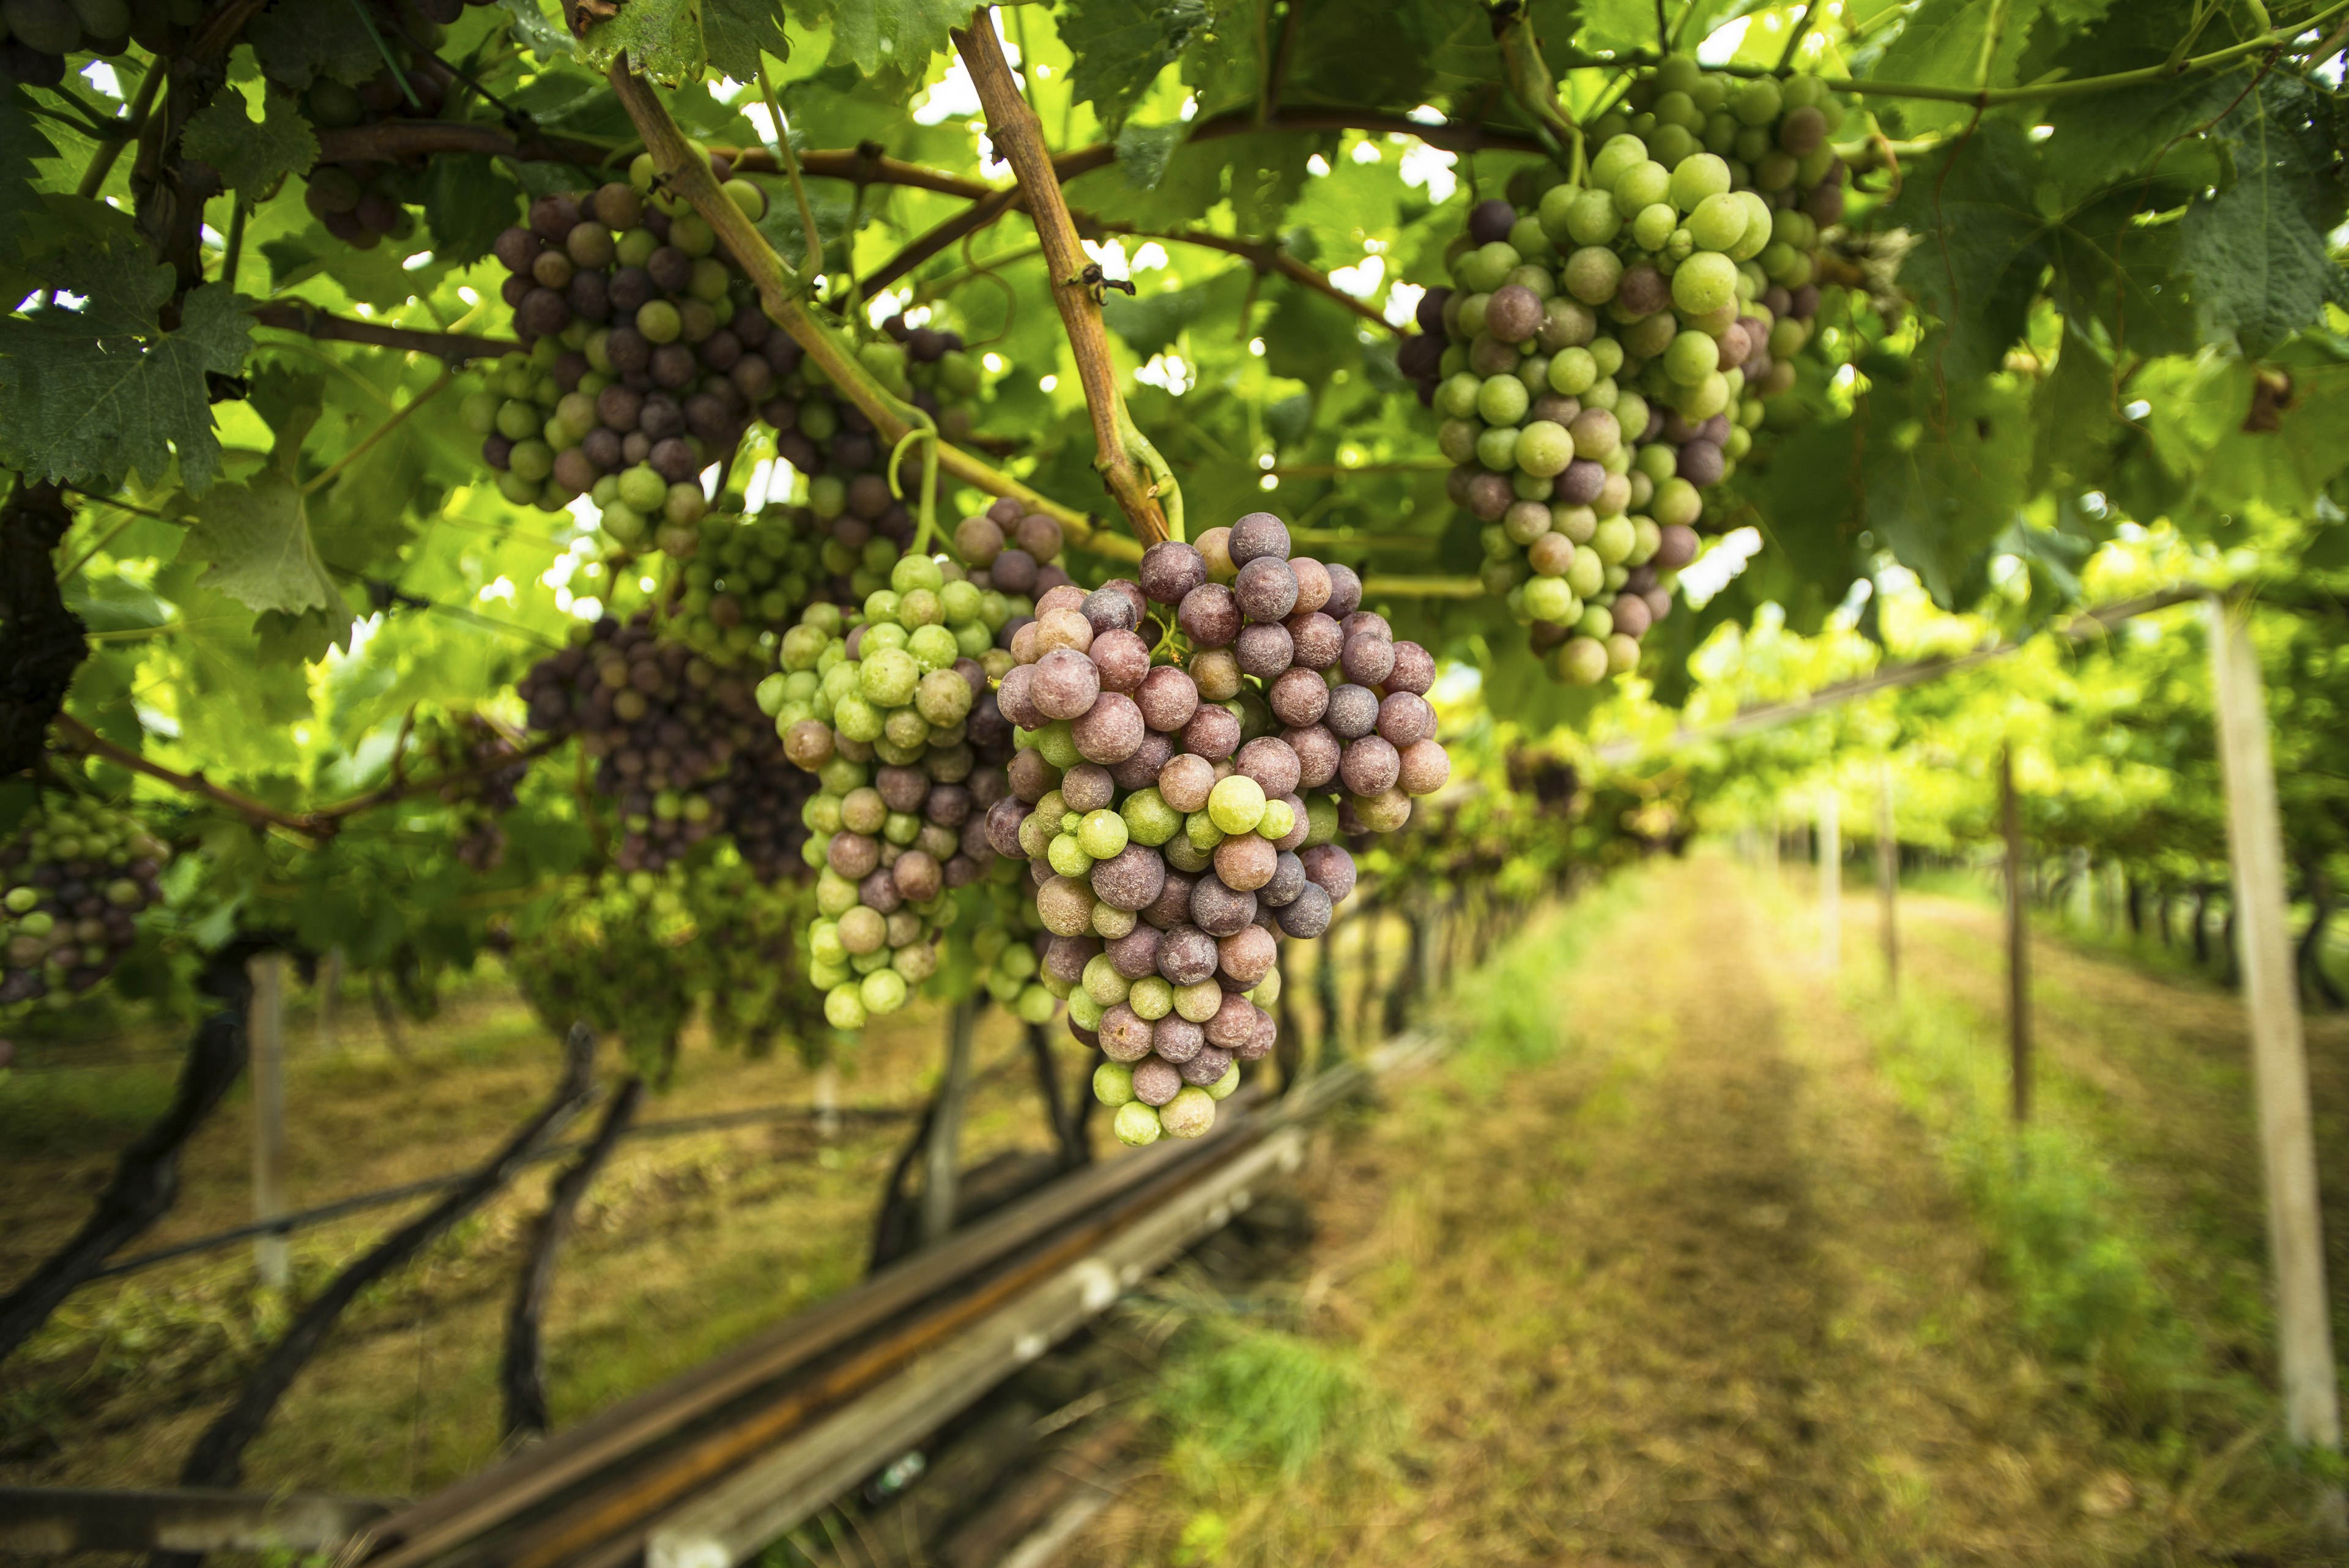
(1602, 362)
(941, 374)
(746, 582)
(895, 717)
(483, 767)
(647, 356)
(679, 746)
(1180, 814)
(1009, 945)
(36, 36)
(616, 951)
(78, 874)
(832, 442)
(362, 202)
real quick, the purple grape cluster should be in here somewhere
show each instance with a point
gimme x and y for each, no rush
(484, 768)
(1179, 810)
(679, 746)
(646, 358)
(77, 874)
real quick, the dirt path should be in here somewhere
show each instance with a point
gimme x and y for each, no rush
(1693, 1291)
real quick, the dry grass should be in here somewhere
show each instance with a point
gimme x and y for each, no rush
(1689, 1286)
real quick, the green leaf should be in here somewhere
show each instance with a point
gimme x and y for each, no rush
(2074, 417)
(660, 39)
(736, 31)
(2108, 137)
(891, 39)
(102, 392)
(1143, 151)
(21, 142)
(536, 31)
(1151, 322)
(299, 44)
(1309, 337)
(1980, 247)
(469, 200)
(1121, 45)
(251, 157)
(256, 537)
(2257, 251)
(1942, 44)
(1943, 482)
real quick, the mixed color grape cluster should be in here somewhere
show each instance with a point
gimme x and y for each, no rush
(679, 746)
(897, 718)
(1601, 362)
(77, 873)
(1191, 747)
(646, 357)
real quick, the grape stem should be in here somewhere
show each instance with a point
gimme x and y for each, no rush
(102, 161)
(1535, 85)
(299, 316)
(1125, 455)
(322, 822)
(1795, 39)
(1267, 255)
(1422, 588)
(332, 471)
(828, 350)
(928, 436)
(2034, 92)
(812, 259)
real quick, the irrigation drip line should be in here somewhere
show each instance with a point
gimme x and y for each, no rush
(307, 1218)
(2080, 628)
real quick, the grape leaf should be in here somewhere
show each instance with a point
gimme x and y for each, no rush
(1143, 152)
(467, 202)
(1980, 244)
(21, 142)
(256, 537)
(889, 40)
(2256, 250)
(1942, 44)
(735, 32)
(299, 44)
(1943, 482)
(537, 31)
(2112, 136)
(251, 157)
(660, 39)
(1310, 336)
(1121, 45)
(1151, 322)
(2075, 417)
(101, 392)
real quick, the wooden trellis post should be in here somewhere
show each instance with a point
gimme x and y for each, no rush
(941, 1170)
(1830, 880)
(266, 1024)
(1887, 877)
(2018, 939)
(2278, 1051)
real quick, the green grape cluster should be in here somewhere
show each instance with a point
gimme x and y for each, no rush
(1005, 939)
(77, 873)
(745, 583)
(893, 716)
(1601, 362)
(639, 953)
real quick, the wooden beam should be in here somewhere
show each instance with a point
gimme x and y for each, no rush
(2279, 1050)
(52, 1521)
(734, 1520)
(2018, 941)
(1830, 879)
(1888, 878)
